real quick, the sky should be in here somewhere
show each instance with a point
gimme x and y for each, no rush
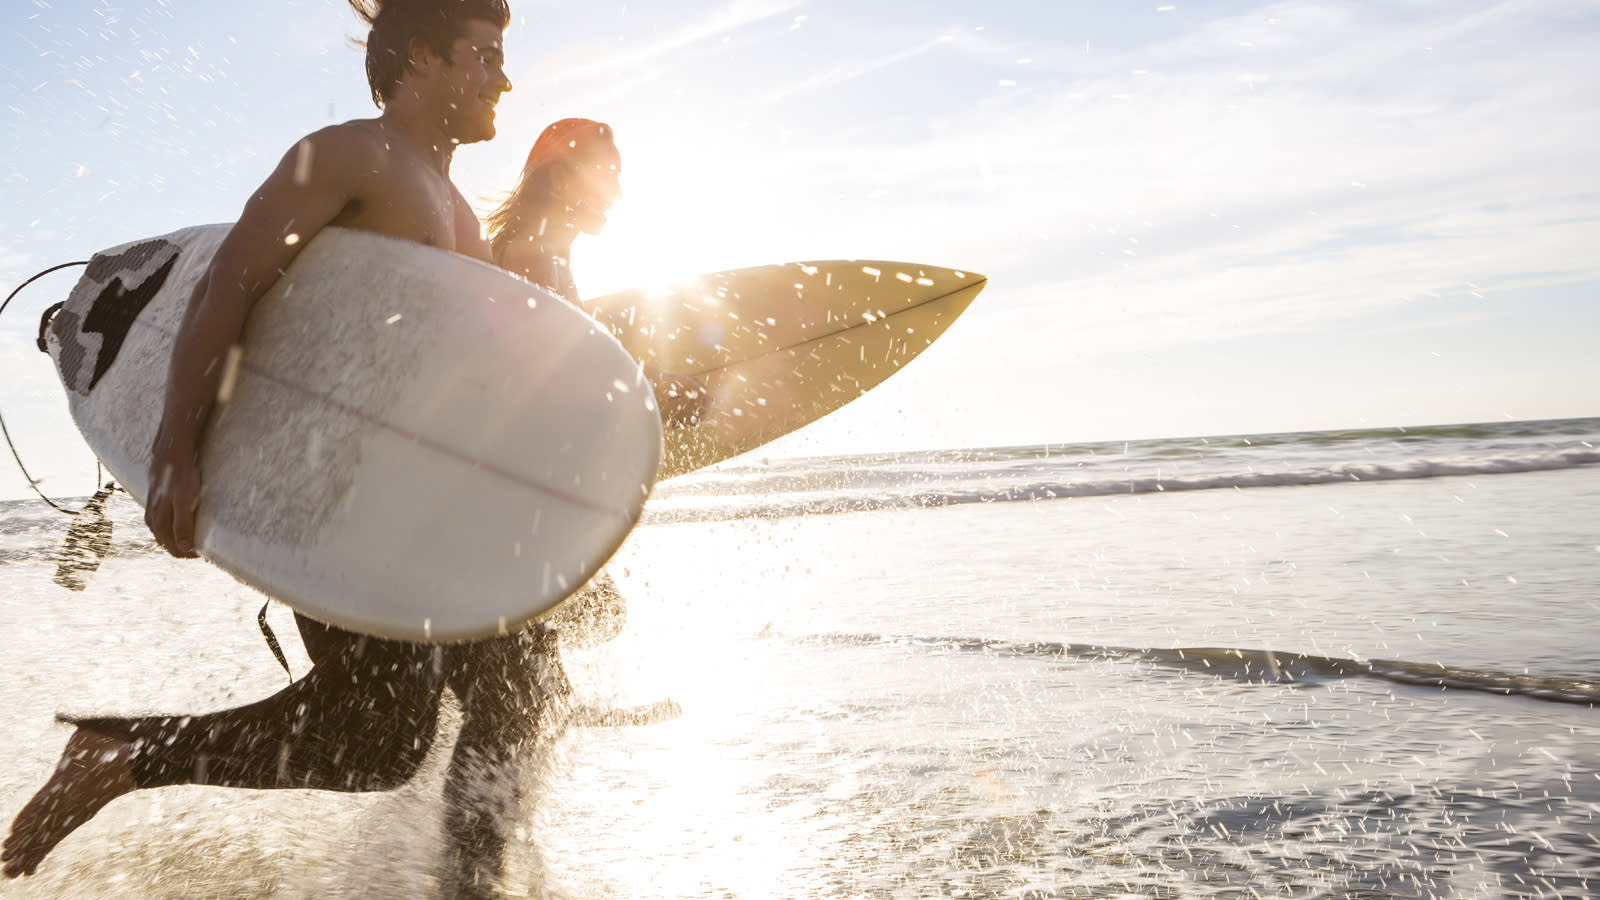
(1196, 218)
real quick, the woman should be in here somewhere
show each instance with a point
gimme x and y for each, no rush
(567, 186)
(572, 176)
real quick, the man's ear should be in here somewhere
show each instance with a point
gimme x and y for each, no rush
(422, 59)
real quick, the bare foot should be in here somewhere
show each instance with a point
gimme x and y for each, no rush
(92, 772)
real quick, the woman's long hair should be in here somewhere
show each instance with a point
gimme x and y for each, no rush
(529, 202)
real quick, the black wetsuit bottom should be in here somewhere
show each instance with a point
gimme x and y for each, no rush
(363, 719)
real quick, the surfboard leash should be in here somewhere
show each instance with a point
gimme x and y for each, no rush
(88, 539)
(272, 640)
(44, 323)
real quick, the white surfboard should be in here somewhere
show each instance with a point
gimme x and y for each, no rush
(781, 346)
(416, 446)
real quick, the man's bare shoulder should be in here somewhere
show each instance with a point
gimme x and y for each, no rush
(348, 148)
(324, 178)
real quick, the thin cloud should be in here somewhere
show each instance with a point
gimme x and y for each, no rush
(597, 78)
(847, 72)
(589, 63)
(1229, 194)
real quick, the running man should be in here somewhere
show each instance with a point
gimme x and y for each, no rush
(363, 718)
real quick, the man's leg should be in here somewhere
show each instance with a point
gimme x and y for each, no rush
(514, 693)
(361, 720)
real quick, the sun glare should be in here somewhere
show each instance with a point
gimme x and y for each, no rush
(695, 784)
(681, 214)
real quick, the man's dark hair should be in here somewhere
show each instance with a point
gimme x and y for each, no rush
(396, 23)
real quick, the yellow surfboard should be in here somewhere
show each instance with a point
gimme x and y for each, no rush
(781, 346)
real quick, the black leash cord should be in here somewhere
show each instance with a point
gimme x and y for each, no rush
(43, 323)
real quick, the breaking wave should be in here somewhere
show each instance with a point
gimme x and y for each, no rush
(1260, 666)
(919, 480)
(689, 507)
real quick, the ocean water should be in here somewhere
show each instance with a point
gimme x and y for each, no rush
(1342, 665)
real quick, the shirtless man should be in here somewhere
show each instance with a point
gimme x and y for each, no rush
(363, 718)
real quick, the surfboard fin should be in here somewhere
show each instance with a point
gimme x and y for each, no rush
(87, 543)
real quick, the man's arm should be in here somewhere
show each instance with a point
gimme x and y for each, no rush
(315, 180)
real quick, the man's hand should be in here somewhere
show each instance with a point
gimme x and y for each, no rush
(169, 509)
(682, 399)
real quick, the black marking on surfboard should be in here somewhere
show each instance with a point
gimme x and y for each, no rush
(111, 311)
